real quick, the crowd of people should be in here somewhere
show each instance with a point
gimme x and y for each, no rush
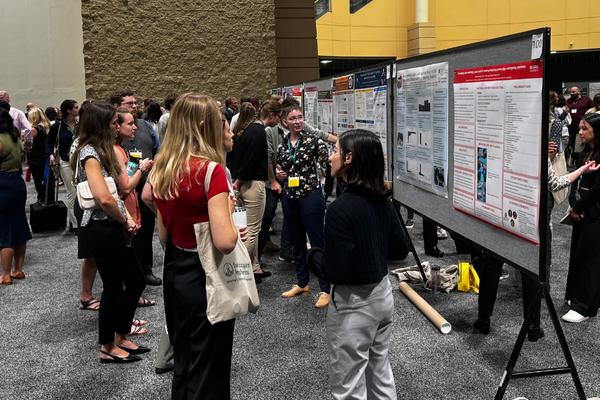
(146, 169)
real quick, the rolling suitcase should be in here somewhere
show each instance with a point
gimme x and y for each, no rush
(46, 216)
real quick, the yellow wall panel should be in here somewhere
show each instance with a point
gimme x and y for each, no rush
(594, 40)
(558, 43)
(494, 31)
(498, 12)
(375, 49)
(580, 9)
(377, 13)
(340, 33)
(580, 41)
(462, 32)
(537, 10)
(594, 9)
(340, 49)
(459, 12)
(373, 34)
(578, 26)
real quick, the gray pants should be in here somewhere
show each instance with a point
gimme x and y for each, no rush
(164, 357)
(359, 323)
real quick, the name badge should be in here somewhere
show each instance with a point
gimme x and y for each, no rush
(293, 181)
(573, 111)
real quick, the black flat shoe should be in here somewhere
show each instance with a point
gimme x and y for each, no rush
(535, 333)
(139, 350)
(264, 274)
(482, 326)
(434, 252)
(118, 360)
(160, 371)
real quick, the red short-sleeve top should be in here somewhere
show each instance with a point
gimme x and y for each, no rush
(180, 214)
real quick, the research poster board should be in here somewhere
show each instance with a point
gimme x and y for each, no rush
(343, 104)
(370, 102)
(318, 113)
(521, 245)
(325, 111)
(295, 92)
(497, 145)
(422, 126)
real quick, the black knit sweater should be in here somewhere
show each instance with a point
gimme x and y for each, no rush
(361, 234)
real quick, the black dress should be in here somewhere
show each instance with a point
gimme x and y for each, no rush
(14, 229)
(583, 280)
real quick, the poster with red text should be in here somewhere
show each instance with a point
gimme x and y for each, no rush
(497, 145)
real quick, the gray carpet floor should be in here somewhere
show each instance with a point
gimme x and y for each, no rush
(48, 346)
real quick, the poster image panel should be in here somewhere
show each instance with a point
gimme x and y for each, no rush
(325, 111)
(497, 145)
(310, 108)
(422, 126)
(370, 100)
(343, 104)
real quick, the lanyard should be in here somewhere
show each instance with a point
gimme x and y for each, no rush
(294, 150)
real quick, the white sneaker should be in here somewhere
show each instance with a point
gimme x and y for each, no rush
(574, 317)
(441, 233)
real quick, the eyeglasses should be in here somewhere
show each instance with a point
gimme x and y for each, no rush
(130, 103)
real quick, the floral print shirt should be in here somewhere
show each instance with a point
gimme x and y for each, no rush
(302, 161)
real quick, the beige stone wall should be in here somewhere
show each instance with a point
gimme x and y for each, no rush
(156, 47)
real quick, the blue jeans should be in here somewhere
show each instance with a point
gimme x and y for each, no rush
(305, 216)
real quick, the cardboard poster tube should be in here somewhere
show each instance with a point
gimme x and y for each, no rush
(436, 319)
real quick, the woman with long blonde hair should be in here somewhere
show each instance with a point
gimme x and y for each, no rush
(39, 155)
(175, 188)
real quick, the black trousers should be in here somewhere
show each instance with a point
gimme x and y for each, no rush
(142, 242)
(263, 236)
(37, 172)
(122, 279)
(202, 352)
(489, 269)
(429, 234)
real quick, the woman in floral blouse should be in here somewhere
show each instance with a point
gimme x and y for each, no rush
(303, 202)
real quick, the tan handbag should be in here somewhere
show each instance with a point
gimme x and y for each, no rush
(559, 164)
(85, 198)
(230, 287)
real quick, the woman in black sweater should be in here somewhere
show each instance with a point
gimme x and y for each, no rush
(583, 280)
(362, 232)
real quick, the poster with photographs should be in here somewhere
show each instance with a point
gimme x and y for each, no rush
(497, 142)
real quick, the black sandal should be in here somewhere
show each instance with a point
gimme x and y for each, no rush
(90, 304)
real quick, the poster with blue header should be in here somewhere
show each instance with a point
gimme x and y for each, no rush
(370, 102)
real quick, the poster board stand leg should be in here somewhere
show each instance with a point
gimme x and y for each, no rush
(569, 369)
(409, 241)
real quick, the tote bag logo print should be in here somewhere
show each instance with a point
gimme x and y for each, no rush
(228, 269)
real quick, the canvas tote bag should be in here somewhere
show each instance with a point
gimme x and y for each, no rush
(230, 286)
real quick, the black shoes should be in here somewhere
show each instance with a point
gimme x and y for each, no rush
(482, 326)
(261, 275)
(152, 280)
(160, 371)
(535, 333)
(118, 360)
(139, 350)
(434, 252)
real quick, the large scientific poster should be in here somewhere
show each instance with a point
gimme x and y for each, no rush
(325, 111)
(422, 127)
(370, 102)
(343, 104)
(497, 145)
(311, 94)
